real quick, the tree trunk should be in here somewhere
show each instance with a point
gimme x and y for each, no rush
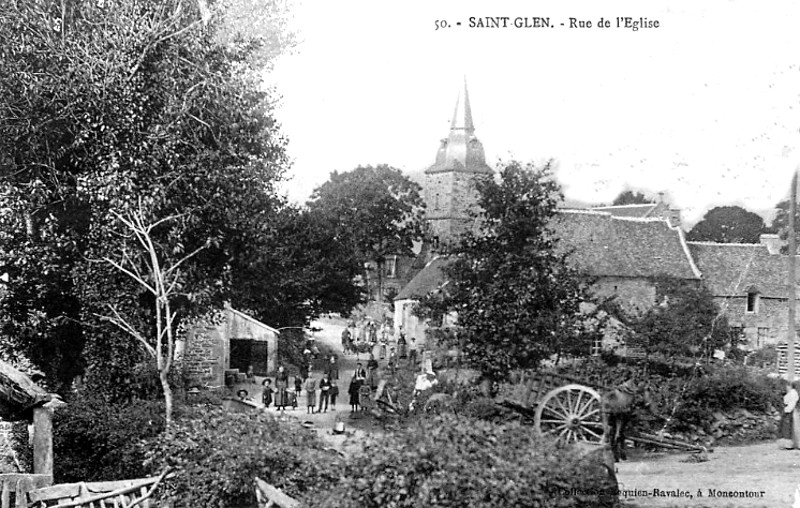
(167, 399)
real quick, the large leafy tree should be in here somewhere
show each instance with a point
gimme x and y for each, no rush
(516, 297)
(685, 322)
(630, 197)
(374, 211)
(110, 107)
(728, 224)
(780, 224)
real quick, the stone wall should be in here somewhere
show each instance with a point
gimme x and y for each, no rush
(206, 353)
(635, 295)
(770, 319)
(449, 198)
(204, 356)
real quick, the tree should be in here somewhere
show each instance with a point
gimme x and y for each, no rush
(105, 105)
(728, 224)
(629, 197)
(780, 224)
(374, 211)
(686, 321)
(160, 274)
(516, 298)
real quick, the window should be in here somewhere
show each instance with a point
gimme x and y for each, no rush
(436, 201)
(761, 338)
(597, 346)
(737, 333)
(752, 302)
(390, 267)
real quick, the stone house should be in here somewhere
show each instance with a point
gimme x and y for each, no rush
(748, 282)
(231, 344)
(621, 256)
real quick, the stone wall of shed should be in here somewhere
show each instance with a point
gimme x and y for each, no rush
(204, 356)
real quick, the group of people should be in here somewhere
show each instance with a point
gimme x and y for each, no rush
(283, 398)
(789, 429)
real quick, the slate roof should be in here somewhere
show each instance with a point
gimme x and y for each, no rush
(734, 269)
(430, 278)
(18, 393)
(605, 245)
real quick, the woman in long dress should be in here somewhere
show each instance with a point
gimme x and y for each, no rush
(787, 429)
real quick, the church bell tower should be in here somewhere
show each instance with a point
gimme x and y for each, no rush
(449, 190)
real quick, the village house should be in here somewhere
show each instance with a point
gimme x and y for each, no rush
(227, 347)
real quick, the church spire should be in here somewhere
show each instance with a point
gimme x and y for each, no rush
(462, 117)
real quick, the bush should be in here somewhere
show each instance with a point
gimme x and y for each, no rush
(96, 440)
(216, 455)
(449, 461)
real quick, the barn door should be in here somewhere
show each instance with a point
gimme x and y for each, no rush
(246, 352)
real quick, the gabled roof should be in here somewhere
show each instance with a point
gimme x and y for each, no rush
(605, 245)
(731, 269)
(429, 279)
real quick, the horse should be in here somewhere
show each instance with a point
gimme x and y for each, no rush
(619, 411)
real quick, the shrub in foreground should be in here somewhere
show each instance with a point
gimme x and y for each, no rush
(96, 440)
(216, 455)
(450, 461)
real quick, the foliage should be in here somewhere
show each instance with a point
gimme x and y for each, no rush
(118, 105)
(216, 454)
(727, 389)
(630, 197)
(766, 356)
(448, 461)
(685, 322)
(685, 395)
(94, 440)
(728, 224)
(515, 295)
(780, 224)
(374, 211)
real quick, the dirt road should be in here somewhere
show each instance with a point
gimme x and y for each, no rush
(758, 475)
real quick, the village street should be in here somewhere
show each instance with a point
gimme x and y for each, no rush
(766, 474)
(327, 338)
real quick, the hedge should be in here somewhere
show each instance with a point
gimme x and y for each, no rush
(458, 461)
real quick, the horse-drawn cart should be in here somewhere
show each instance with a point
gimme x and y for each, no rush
(566, 408)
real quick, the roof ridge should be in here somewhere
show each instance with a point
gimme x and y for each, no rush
(692, 242)
(584, 211)
(623, 206)
(686, 251)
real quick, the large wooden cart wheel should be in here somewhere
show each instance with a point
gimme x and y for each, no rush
(571, 413)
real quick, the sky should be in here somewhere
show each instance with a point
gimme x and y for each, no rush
(705, 108)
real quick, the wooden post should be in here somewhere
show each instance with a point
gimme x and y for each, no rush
(792, 332)
(43, 440)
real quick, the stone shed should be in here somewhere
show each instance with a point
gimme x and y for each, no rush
(233, 343)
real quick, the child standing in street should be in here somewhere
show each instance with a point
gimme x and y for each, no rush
(311, 394)
(298, 389)
(266, 393)
(324, 393)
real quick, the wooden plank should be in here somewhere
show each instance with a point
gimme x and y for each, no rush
(24, 485)
(5, 495)
(43, 440)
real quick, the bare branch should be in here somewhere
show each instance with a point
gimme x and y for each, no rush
(125, 326)
(131, 275)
